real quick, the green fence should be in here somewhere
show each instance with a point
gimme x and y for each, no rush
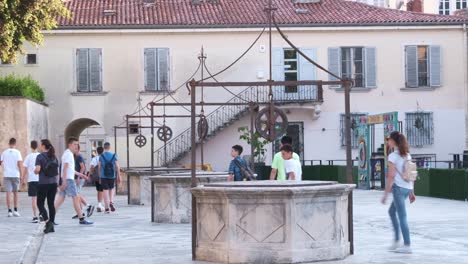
(438, 183)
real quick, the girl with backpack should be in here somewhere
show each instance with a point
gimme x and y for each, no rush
(47, 166)
(401, 188)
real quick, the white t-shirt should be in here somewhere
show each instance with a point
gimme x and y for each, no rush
(94, 162)
(399, 163)
(68, 158)
(30, 163)
(293, 165)
(10, 158)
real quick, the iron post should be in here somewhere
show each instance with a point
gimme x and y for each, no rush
(193, 171)
(349, 161)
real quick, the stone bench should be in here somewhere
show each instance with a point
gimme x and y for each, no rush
(171, 200)
(272, 222)
(139, 184)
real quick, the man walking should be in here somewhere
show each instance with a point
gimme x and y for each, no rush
(109, 173)
(80, 181)
(277, 166)
(94, 174)
(235, 171)
(11, 160)
(29, 165)
(68, 187)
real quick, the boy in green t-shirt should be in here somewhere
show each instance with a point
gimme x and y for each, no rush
(277, 166)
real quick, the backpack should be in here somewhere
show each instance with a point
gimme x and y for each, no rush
(95, 174)
(109, 171)
(410, 171)
(246, 172)
(51, 167)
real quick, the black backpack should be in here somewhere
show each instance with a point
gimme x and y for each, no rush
(246, 172)
(109, 171)
(51, 167)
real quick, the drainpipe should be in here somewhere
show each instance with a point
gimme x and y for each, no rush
(465, 82)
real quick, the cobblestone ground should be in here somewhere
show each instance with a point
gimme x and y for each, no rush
(439, 230)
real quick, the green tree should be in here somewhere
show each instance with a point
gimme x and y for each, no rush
(24, 20)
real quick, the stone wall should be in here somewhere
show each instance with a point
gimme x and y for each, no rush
(24, 120)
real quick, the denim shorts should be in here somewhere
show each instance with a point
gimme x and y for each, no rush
(70, 190)
(11, 184)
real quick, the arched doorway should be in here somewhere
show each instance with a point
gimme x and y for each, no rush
(90, 134)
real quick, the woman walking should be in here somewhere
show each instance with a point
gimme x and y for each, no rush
(47, 167)
(400, 189)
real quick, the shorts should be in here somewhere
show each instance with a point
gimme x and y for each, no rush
(70, 190)
(11, 184)
(107, 184)
(98, 186)
(80, 185)
(32, 189)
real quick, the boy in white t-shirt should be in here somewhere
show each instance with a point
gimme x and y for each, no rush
(29, 165)
(292, 167)
(11, 160)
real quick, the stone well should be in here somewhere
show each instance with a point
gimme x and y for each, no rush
(272, 222)
(171, 200)
(139, 184)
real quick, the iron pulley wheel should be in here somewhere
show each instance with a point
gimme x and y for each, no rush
(164, 133)
(140, 141)
(271, 123)
(202, 127)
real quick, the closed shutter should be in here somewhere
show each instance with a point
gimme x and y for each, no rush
(370, 68)
(278, 64)
(334, 61)
(95, 70)
(435, 58)
(163, 69)
(307, 71)
(82, 70)
(150, 69)
(411, 55)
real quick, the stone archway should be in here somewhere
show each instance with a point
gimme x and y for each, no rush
(77, 126)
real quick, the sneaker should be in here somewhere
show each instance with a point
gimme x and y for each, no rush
(85, 222)
(49, 228)
(99, 209)
(111, 205)
(90, 210)
(394, 246)
(54, 223)
(10, 214)
(16, 214)
(76, 216)
(404, 250)
(107, 211)
(35, 220)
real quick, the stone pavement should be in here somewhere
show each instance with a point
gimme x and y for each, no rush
(439, 230)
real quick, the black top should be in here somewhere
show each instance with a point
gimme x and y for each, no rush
(78, 160)
(41, 160)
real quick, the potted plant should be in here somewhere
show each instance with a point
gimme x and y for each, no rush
(257, 143)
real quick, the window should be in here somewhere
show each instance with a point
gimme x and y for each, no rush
(89, 70)
(420, 129)
(444, 7)
(355, 118)
(133, 128)
(156, 69)
(423, 66)
(461, 4)
(290, 69)
(357, 63)
(380, 3)
(31, 59)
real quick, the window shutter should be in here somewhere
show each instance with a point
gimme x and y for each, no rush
(411, 54)
(307, 71)
(82, 76)
(435, 58)
(370, 68)
(150, 69)
(95, 70)
(334, 59)
(163, 69)
(278, 64)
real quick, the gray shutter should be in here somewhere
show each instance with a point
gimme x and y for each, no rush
(411, 54)
(150, 69)
(307, 71)
(82, 76)
(435, 58)
(370, 67)
(163, 69)
(278, 64)
(334, 64)
(95, 70)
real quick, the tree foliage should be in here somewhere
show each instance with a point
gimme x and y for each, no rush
(24, 20)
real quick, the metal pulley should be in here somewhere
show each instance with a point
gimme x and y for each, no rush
(140, 141)
(164, 133)
(271, 122)
(202, 127)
